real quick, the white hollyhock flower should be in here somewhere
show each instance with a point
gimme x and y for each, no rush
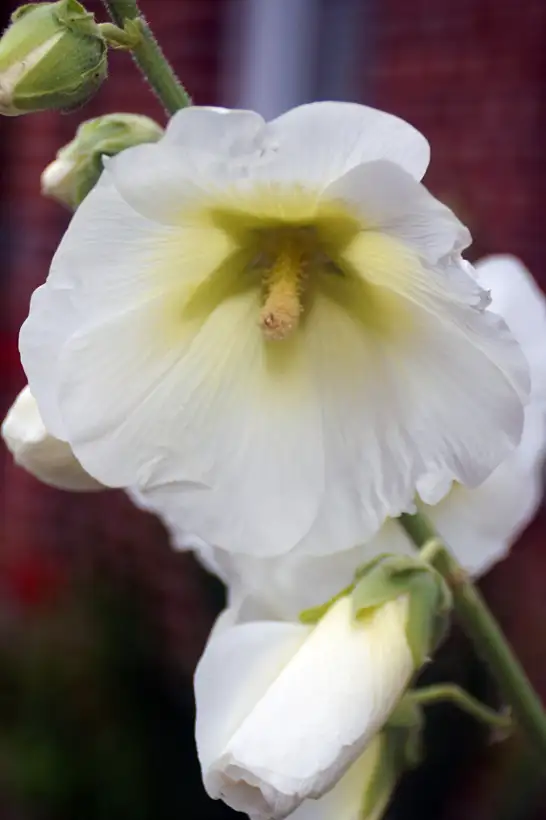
(480, 525)
(47, 458)
(284, 710)
(269, 323)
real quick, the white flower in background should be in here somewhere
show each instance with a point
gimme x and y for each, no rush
(270, 324)
(47, 458)
(480, 525)
(284, 710)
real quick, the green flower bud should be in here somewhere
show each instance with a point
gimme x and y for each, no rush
(78, 165)
(52, 56)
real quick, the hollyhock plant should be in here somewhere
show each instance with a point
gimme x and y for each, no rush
(266, 332)
(271, 324)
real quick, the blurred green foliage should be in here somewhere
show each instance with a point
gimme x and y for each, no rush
(93, 725)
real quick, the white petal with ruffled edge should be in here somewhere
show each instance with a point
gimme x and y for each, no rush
(388, 199)
(209, 149)
(331, 138)
(517, 298)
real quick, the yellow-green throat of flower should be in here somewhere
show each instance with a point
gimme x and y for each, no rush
(284, 282)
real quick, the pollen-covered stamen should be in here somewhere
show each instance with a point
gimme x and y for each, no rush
(284, 283)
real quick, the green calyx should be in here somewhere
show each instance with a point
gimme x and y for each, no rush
(388, 577)
(53, 55)
(399, 748)
(82, 157)
(314, 614)
(429, 599)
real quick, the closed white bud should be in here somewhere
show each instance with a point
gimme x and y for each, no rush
(45, 457)
(284, 710)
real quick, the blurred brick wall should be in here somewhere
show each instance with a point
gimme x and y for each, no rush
(471, 75)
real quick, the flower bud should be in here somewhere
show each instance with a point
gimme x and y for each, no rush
(52, 56)
(45, 457)
(78, 165)
(299, 704)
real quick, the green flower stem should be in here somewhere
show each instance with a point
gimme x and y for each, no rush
(149, 57)
(118, 37)
(454, 694)
(485, 633)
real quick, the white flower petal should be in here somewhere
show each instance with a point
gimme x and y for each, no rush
(45, 457)
(236, 421)
(315, 718)
(481, 524)
(446, 395)
(345, 800)
(324, 140)
(40, 342)
(517, 298)
(288, 584)
(225, 131)
(244, 660)
(432, 487)
(167, 183)
(208, 150)
(92, 279)
(387, 198)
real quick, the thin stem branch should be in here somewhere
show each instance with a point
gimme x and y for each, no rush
(465, 701)
(484, 631)
(149, 57)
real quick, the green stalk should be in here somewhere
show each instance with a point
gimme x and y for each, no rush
(451, 693)
(149, 57)
(485, 633)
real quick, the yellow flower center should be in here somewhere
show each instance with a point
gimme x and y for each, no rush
(289, 255)
(297, 250)
(290, 237)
